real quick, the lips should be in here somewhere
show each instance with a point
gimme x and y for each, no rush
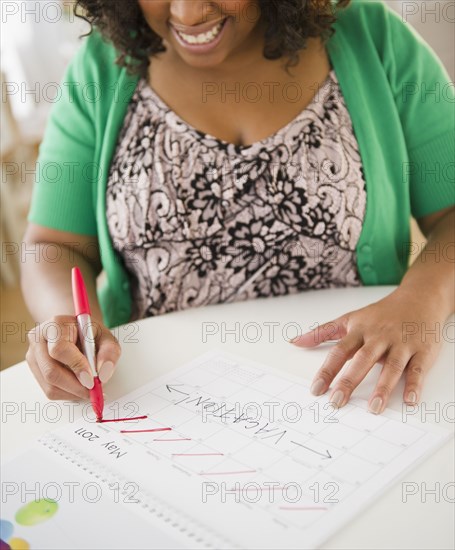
(196, 29)
(201, 37)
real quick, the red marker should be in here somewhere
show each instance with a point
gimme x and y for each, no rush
(87, 338)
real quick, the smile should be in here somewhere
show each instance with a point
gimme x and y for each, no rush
(202, 38)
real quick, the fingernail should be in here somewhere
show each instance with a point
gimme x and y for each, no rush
(412, 397)
(317, 387)
(106, 371)
(86, 380)
(376, 405)
(337, 398)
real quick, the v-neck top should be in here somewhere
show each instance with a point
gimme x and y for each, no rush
(199, 221)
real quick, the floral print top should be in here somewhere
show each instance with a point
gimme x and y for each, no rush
(197, 220)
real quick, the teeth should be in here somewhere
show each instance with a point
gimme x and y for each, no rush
(203, 38)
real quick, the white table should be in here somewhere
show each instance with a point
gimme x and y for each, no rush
(165, 342)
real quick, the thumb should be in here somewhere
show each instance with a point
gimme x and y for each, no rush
(108, 353)
(333, 330)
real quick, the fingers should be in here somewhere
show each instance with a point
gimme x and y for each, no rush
(61, 337)
(108, 353)
(362, 362)
(333, 330)
(56, 362)
(364, 358)
(415, 373)
(56, 381)
(394, 366)
(370, 335)
(336, 358)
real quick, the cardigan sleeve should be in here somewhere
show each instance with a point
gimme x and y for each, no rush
(66, 174)
(425, 100)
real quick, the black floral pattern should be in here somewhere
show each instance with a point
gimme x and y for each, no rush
(200, 221)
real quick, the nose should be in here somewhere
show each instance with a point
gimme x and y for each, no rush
(192, 12)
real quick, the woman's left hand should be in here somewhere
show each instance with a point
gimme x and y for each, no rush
(395, 332)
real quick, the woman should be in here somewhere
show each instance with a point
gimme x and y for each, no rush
(209, 152)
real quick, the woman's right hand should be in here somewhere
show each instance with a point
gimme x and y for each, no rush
(57, 362)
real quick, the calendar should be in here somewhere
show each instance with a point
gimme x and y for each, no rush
(219, 453)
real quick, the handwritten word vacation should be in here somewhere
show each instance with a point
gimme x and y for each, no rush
(238, 414)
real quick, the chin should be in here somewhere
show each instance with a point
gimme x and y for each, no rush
(204, 61)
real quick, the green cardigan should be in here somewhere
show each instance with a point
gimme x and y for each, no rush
(401, 105)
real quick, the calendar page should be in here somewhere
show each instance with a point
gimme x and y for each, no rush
(219, 453)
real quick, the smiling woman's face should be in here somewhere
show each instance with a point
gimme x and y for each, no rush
(205, 34)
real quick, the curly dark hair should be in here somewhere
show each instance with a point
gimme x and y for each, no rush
(288, 24)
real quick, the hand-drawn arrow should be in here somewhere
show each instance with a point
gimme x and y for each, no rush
(173, 388)
(324, 455)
